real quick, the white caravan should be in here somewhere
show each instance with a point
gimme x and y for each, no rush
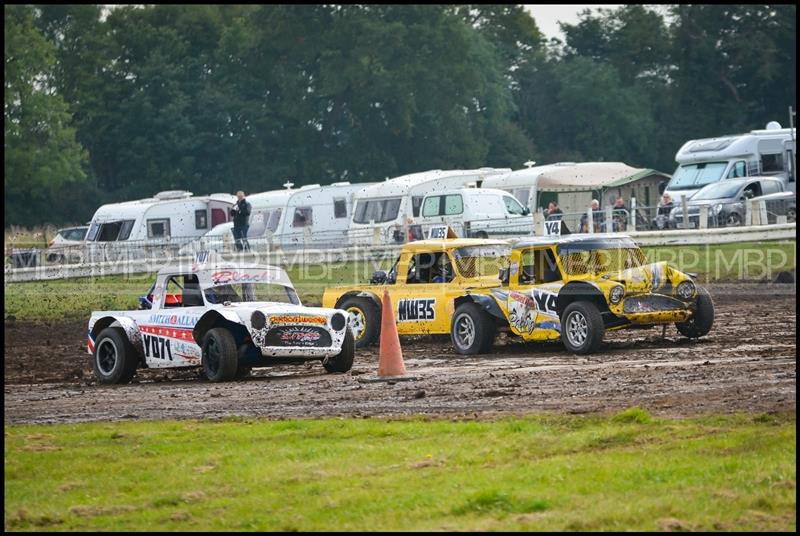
(475, 213)
(173, 216)
(311, 216)
(384, 212)
(767, 152)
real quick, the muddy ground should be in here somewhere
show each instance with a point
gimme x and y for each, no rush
(746, 363)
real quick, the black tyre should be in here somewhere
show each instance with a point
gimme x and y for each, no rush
(343, 361)
(365, 320)
(243, 371)
(733, 220)
(703, 318)
(114, 359)
(472, 330)
(582, 327)
(219, 355)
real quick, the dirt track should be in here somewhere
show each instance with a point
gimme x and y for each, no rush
(746, 363)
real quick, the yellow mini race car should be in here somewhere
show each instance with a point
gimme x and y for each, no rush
(573, 288)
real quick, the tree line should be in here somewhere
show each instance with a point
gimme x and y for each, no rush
(104, 106)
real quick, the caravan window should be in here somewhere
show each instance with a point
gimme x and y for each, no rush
(771, 163)
(302, 217)
(339, 208)
(125, 229)
(739, 169)
(439, 205)
(274, 219)
(431, 206)
(377, 210)
(416, 203)
(109, 231)
(158, 228)
(200, 219)
(258, 222)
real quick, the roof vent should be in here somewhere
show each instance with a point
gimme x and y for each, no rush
(529, 164)
(288, 185)
(345, 183)
(172, 194)
(773, 125)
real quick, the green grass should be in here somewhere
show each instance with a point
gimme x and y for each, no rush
(76, 298)
(626, 472)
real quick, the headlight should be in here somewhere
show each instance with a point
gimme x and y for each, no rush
(716, 209)
(616, 294)
(686, 290)
(338, 321)
(258, 320)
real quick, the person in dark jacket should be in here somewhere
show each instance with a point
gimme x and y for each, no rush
(241, 222)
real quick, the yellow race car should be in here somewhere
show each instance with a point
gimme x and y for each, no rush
(573, 288)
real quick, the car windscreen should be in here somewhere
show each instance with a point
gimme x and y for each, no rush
(720, 190)
(377, 210)
(251, 292)
(481, 261)
(690, 176)
(598, 260)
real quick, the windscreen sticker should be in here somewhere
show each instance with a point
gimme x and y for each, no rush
(416, 310)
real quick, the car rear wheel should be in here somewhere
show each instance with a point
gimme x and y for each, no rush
(365, 320)
(703, 318)
(472, 330)
(114, 359)
(220, 359)
(582, 328)
(733, 220)
(343, 361)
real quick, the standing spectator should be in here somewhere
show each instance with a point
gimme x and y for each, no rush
(553, 211)
(662, 215)
(241, 222)
(620, 215)
(596, 218)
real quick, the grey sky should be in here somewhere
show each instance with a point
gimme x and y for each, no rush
(547, 16)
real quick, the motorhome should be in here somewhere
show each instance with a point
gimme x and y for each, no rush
(174, 216)
(384, 212)
(475, 213)
(767, 152)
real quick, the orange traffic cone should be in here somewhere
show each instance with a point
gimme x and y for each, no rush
(390, 359)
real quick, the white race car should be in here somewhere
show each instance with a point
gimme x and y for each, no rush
(224, 317)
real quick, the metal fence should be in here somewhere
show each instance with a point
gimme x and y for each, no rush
(609, 219)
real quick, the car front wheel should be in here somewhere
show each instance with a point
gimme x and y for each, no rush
(343, 361)
(220, 359)
(582, 328)
(114, 359)
(700, 324)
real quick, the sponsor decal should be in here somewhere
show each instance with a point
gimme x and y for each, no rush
(546, 302)
(416, 310)
(234, 276)
(173, 320)
(298, 335)
(529, 312)
(297, 319)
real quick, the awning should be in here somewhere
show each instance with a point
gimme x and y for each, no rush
(592, 176)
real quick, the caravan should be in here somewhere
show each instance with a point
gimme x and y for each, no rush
(384, 212)
(173, 216)
(311, 216)
(767, 152)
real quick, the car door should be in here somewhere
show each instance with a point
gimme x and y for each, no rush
(419, 301)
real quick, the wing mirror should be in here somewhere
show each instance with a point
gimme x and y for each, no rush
(526, 211)
(378, 277)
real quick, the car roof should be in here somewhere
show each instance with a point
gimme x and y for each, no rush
(569, 239)
(210, 274)
(449, 243)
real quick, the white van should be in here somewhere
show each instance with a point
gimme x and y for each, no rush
(383, 212)
(173, 216)
(768, 152)
(475, 213)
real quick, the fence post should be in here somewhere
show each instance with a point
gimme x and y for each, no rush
(538, 220)
(609, 223)
(685, 208)
(590, 220)
(633, 213)
(703, 217)
(376, 236)
(781, 220)
(748, 212)
(762, 212)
